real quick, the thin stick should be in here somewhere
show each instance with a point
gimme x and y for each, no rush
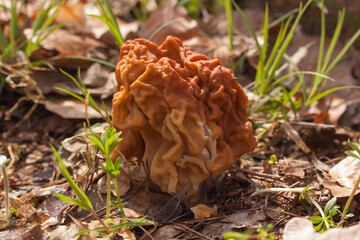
(260, 174)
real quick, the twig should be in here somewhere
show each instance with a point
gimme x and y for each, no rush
(192, 231)
(26, 116)
(265, 175)
(266, 190)
(146, 232)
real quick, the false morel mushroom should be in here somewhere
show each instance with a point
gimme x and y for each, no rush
(180, 112)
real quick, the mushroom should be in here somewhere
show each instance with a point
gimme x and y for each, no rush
(180, 112)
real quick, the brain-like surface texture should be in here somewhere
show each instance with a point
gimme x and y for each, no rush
(181, 112)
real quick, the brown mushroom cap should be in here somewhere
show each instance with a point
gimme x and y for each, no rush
(182, 112)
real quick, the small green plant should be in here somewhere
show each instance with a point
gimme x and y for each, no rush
(41, 29)
(192, 6)
(3, 161)
(273, 160)
(107, 142)
(108, 17)
(229, 18)
(84, 202)
(273, 96)
(262, 234)
(330, 210)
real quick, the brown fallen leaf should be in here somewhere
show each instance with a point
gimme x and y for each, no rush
(342, 177)
(26, 232)
(346, 172)
(292, 167)
(164, 233)
(71, 13)
(239, 220)
(183, 27)
(67, 107)
(62, 43)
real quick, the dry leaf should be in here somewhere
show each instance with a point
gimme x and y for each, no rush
(346, 172)
(184, 27)
(239, 220)
(72, 108)
(71, 13)
(342, 177)
(62, 43)
(292, 167)
(22, 233)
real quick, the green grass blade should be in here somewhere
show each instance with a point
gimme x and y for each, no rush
(49, 20)
(71, 94)
(322, 67)
(286, 43)
(279, 39)
(108, 118)
(40, 17)
(322, 39)
(351, 154)
(83, 199)
(282, 18)
(164, 26)
(67, 199)
(263, 52)
(228, 10)
(297, 87)
(3, 42)
(247, 22)
(32, 47)
(89, 59)
(73, 79)
(334, 40)
(114, 227)
(342, 52)
(108, 17)
(348, 16)
(354, 146)
(278, 81)
(327, 92)
(287, 99)
(13, 20)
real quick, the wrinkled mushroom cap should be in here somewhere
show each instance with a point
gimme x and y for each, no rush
(182, 113)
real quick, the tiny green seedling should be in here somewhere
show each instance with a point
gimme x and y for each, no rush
(107, 142)
(84, 202)
(330, 210)
(273, 160)
(108, 17)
